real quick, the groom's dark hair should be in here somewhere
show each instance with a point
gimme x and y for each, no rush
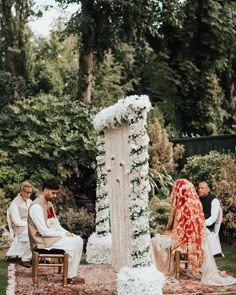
(50, 184)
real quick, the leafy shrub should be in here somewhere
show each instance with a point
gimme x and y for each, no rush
(10, 172)
(206, 167)
(79, 221)
(225, 191)
(4, 203)
(160, 183)
(11, 88)
(159, 214)
(50, 137)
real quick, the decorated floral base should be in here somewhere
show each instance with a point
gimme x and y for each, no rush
(139, 281)
(99, 249)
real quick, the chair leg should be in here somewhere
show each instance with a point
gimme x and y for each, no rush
(65, 269)
(177, 264)
(60, 267)
(35, 268)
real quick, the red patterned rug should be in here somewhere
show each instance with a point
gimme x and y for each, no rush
(99, 280)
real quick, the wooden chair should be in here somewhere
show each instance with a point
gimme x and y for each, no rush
(180, 258)
(39, 257)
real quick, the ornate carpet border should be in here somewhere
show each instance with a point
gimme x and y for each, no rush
(11, 280)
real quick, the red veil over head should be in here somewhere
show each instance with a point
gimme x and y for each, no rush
(189, 229)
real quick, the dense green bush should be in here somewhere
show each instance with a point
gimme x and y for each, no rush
(225, 191)
(4, 203)
(79, 221)
(206, 167)
(49, 136)
(159, 213)
(11, 88)
(10, 172)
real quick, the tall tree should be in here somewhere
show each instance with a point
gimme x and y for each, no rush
(196, 41)
(104, 25)
(14, 15)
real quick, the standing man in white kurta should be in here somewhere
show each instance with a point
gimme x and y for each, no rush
(18, 215)
(212, 212)
(46, 232)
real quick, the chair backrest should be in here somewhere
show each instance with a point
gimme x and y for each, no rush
(218, 221)
(9, 223)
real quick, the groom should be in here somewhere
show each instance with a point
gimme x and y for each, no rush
(46, 232)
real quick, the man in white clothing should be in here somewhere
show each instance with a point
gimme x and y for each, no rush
(212, 210)
(18, 215)
(45, 231)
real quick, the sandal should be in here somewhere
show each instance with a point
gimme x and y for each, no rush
(75, 281)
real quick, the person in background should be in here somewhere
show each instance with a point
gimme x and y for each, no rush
(213, 216)
(186, 224)
(45, 231)
(18, 214)
(186, 227)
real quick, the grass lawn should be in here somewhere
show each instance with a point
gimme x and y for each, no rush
(227, 263)
(3, 272)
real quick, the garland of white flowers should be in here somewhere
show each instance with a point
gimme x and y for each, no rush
(131, 110)
(139, 188)
(99, 243)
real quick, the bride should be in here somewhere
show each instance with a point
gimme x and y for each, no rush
(186, 227)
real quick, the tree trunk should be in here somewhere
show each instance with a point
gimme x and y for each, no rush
(86, 70)
(13, 33)
(86, 51)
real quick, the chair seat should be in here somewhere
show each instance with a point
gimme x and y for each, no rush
(51, 251)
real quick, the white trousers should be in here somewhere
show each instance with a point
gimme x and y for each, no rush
(20, 247)
(74, 247)
(27, 254)
(214, 242)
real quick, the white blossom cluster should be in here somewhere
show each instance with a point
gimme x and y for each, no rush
(122, 112)
(99, 243)
(102, 204)
(139, 188)
(140, 281)
(99, 249)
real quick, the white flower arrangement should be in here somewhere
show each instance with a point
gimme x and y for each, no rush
(139, 277)
(99, 249)
(140, 281)
(99, 243)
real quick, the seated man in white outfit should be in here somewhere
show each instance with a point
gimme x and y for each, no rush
(18, 214)
(213, 216)
(45, 231)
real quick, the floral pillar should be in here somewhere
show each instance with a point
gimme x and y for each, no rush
(138, 276)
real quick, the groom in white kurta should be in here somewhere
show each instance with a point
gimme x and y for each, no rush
(45, 231)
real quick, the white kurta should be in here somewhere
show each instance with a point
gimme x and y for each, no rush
(20, 245)
(72, 245)
(213, 236)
